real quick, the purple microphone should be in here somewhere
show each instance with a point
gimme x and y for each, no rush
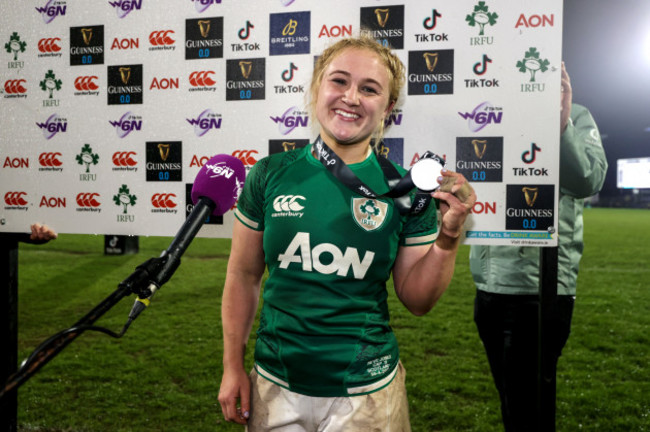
(215, 190)
(219, 180)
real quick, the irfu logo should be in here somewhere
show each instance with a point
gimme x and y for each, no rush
(124, 198)
(50, 83)
(15, 45)
(532, 63)
(87, 157)
(368, 213)
(481, 16)
(370, 209)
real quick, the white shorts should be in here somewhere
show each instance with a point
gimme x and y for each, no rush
(274, 408)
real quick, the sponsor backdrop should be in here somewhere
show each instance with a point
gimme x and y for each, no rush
(107, 111)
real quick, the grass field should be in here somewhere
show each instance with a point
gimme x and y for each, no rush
(164, 374)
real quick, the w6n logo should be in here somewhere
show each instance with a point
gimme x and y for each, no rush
(246, 156)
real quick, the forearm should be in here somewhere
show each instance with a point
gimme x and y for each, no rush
(241, 293)
(428, 277)
(238, 308)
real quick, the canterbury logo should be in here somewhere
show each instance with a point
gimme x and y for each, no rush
(530, 194)
(245, 156)
(288, 203)
(15, 198)
(124, 159)
(87, 199)
(163, 200)
(50, 159)
(202, 79)
(161, 38)
(15, 86)
(49, 45)
(86, 83)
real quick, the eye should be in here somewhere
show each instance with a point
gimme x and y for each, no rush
(339, 81)
(368, 89)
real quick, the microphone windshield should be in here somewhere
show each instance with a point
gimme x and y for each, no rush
(220, 179)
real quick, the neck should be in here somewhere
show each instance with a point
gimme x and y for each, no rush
(349, 153)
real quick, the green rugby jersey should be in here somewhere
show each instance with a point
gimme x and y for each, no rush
(324, 327)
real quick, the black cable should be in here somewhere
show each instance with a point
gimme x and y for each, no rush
(79, 329)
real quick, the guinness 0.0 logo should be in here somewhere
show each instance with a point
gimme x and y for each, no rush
(385, 25)
(431, 72)
(204, 38)
(480, 159)
(530, 207)
(124, 85)
(86, 45)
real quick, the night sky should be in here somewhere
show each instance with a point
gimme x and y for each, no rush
(606, 49)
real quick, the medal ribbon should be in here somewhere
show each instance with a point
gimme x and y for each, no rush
(399, 187)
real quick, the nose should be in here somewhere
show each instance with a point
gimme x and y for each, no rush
(351, 96)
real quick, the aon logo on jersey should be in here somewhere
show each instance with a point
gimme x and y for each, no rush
(300, 251)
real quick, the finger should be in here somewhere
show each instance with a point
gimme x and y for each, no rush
(233, 413)
(229, 411)
(245, 402)
(457, 186)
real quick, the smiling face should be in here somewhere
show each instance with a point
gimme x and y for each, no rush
(353, 97)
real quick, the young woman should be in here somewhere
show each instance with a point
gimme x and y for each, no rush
(326, 358)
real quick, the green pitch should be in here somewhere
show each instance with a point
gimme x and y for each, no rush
(164, 374)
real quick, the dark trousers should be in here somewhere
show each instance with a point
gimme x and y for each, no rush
(508, 326)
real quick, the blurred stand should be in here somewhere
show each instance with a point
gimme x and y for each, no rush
(121, 245)
(8, 326)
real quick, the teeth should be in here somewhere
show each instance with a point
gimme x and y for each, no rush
(347, 114)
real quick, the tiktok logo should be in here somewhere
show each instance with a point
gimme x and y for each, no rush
(481, 67)
(529, 156)
(287, 74)
(430, 22)
(245, 32)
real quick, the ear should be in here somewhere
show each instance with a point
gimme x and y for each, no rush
(389, 108)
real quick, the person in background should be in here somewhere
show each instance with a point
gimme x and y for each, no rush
(507, 277)
(326, 358)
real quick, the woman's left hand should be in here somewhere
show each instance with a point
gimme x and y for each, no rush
(457, 197)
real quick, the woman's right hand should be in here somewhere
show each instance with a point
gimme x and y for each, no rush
(234, 395)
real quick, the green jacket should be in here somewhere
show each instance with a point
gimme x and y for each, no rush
(583, 165)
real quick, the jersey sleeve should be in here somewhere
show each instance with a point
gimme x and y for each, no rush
(420, 229)
(583, 164)
(250, 205)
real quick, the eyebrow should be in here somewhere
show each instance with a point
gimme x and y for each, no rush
(348, 74)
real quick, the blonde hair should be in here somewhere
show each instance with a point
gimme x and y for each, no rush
(394, 67)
